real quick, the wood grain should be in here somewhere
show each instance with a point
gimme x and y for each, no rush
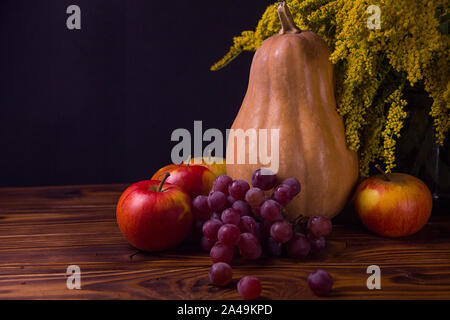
(43, 230)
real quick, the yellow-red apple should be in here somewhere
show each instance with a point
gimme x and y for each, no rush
(217, 165)
(394, 204)
(194, 179)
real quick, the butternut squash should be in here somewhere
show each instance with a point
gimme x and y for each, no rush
(291, 88)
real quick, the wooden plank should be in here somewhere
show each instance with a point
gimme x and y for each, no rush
(288, 281)
(37, 198)
(40, 235)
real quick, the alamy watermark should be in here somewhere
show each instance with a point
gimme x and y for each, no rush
(374, 21)
(74, 20)
(374, 281)
(251, 146)
(74, 277)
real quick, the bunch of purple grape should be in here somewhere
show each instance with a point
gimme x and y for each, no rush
(238, 219)
(236, 215)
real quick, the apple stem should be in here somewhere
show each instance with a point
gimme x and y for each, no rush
(377, 166)
(188, 161)
(166, 175)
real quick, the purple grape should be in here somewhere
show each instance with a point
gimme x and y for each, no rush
(220, 274)
(198, 228)
(264, 179)
(319, 226)
(210, 229)
(267, 225)
(221, 183)
(261, 233)
(281, 231)
(271, 211)
(255, 197)
(230, 201)
(243, 208)
(206, 244)
(216, 215)
(298, 247)
(282, 194)
(247, 224)
(274, 248)
(196, 233)
(201, 207)
(249, 246)
(249, 288)
(231, 216)
(320, 282)
(221, 252)
(238, 188)
(217, 201)
(317, 244)
(229, 234)
(294, 186)
(256, 211)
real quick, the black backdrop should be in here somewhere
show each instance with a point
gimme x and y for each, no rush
(98, 105)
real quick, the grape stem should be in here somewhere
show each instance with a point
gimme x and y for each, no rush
(300, 219)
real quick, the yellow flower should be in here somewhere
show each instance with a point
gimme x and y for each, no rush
(372, 65)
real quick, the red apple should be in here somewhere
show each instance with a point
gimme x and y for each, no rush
(394, 204)
(194, 179)
(154, 215)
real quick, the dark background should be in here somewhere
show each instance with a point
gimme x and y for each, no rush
(98, 105)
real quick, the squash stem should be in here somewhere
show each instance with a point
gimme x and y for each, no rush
(287, 23)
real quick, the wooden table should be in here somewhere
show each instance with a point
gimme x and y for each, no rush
(43, 230)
